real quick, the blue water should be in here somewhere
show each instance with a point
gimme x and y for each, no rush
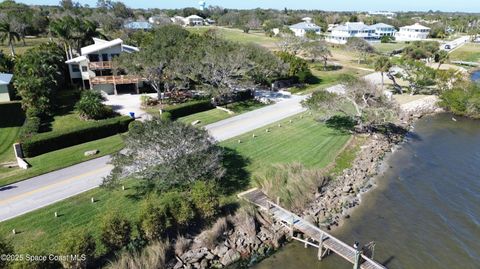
(476, 76)
(425, 212)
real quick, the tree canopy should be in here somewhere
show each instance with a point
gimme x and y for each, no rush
(164, 155)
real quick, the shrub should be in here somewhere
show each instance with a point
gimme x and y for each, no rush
(205, 198)
(90, 106)
(46, 142)
(298, 67)
(210, 238)
(147, 101)
(155, 219)
(153, 256)
(189, 108)
(77, 242)
(166, 215)
(5, 248)
(134, 126)
(30, 127)
(181, 245)
(115, 232)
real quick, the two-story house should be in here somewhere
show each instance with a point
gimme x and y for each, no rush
(412, 32)
(371, 33)
(94, 70)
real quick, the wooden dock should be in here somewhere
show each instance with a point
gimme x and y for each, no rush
(313, 236)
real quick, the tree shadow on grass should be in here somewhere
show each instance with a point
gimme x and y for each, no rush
(236, 177)
(11, 115)
(344, 124)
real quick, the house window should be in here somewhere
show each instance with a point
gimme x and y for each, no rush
(75, 68)
(104, 57)
(84, 68)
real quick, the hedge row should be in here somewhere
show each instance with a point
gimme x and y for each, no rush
(186, 109)
(46, 142)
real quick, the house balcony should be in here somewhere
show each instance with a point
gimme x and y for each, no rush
(115, 80)
(100, 65)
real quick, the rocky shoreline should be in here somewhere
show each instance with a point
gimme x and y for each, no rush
(251, 235)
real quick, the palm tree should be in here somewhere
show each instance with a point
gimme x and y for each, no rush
(7, 33)
(62, 29)
(382, 65)
(441, 57)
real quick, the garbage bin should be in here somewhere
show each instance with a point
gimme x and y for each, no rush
(132, 114)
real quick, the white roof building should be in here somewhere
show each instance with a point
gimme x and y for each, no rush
(371, 33)
(300, 29)
(387, 14)
(412, 33)
(192, 20)
(94, 68)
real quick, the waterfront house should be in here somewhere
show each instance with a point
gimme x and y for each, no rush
(382, 29)
(341, 33)
(412, 33)
(93, 69)
(5, 87)
(300, 29)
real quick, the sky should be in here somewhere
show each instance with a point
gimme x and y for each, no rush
(336, 5)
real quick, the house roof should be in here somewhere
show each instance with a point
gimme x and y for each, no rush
(382, 25)
(417, 26)
(76, 60)
(353, 26)
(138, 25)
(305, 26)
(5, 78)
(101, 45)
(195, 17)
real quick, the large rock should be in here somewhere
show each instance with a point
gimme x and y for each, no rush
(91, 152)
(230, 257)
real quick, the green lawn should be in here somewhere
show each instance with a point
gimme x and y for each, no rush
(304, 140)
(237, 35)
(20, 48)
(40, 230)
(327, 78)
(12, 118)
(214, 115)
(61, 158)
(469, 52)
(388, 47)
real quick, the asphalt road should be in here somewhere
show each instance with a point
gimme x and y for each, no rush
(25, 196)
(28, 195)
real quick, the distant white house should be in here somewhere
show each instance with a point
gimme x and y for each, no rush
(192, 20)
(387, 14)
(300, 29)
(5, 80)
(93, 69)
(371, 33)
(412, 33)
(307, 19)
(138, 25)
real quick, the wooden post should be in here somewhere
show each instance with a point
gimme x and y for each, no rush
(356, 264)
(291, 226)
(278, 200)
(320, 248)
(123, 187)
(56, 214)
(137, 91)
(93, 200)
(14, 232)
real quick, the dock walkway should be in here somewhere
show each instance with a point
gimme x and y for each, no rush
(315, 237)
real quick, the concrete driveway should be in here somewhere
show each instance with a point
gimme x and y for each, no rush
(126, 103)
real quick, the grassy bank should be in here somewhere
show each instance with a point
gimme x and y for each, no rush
(61, 158)
(469, 52)
(303, 140)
